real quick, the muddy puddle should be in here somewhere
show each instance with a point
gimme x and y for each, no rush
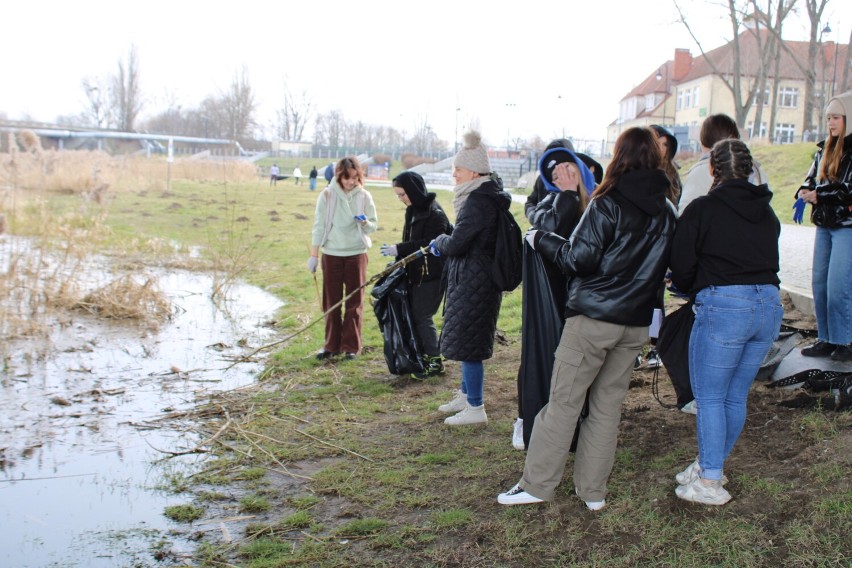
(80, 482)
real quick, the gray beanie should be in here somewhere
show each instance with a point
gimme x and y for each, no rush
(473, 156)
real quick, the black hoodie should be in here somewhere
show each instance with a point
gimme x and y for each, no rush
(727, 237)
(424, 220)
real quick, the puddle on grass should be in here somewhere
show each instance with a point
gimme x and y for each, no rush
(78, 487)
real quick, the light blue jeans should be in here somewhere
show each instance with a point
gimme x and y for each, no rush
(473, 377)
(734, 329)
(832, 284)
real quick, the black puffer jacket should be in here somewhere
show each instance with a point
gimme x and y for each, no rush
(424, 220)
(619, 251)
(556, 213)
(833, 208)
(472, 303)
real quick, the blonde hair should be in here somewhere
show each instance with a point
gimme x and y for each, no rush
(582, 190)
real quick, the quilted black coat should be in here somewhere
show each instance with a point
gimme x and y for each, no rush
(472, 303)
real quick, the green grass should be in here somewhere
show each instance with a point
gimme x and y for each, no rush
(400, 489)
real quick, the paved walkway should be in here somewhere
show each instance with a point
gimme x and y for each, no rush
(796, 248)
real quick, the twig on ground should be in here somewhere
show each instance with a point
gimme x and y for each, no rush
(334, 446)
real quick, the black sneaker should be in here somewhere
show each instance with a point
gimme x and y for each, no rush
(842, 353)
(819, 349)
(323, 355)
(349, 356)
(434, 368)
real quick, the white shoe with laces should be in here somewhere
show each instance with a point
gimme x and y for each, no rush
(517, 496)
(457, 404)
(704, 491)
(469, 415)
(595, 505)
(518, 434)
(693, 472)
(690, 407)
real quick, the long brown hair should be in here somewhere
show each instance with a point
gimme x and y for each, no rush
(635, 149)
(829, 165)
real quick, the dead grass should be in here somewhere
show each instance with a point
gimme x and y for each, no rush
(125, 298)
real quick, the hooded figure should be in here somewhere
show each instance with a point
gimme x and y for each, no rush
(424, 221)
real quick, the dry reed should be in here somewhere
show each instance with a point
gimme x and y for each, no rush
(125, 298)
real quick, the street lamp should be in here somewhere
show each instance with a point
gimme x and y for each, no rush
(659, 77)
(456, 139)
(508, 128)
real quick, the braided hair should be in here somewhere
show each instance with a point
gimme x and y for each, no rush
(730, 159)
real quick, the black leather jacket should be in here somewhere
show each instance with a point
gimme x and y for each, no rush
(833, 208)
(618, 254)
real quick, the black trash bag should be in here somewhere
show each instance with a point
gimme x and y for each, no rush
(673, 349)
(393, 310)
(543, 299)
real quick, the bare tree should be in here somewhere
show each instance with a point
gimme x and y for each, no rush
(741, 73)
(97, 111)
(330, 129)
(125, 92)
(295, 115)
(774, 24)
(234, 110)
(845, 83)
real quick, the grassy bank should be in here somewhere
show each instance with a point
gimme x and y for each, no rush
(342, 464)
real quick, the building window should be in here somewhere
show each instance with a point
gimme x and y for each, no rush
(785, 133)
(765, 99)
(753, 134)
(788, 97)
(695, 92)
(680, 99)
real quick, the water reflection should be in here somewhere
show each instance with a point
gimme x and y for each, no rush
(76, 484)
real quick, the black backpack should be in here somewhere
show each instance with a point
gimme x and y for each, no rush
(508, 253)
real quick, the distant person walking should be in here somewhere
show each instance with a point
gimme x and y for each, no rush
(828, 188)
(329, 172)
(273, 174)
(297, 173)
(312, 178)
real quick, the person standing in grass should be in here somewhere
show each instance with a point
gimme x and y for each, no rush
(725, 255)
(273, 174)
(312, 178)
(297, 173)
(615, 261)
(472, 302)
(424, 221)
(345, 216)
(828, 188)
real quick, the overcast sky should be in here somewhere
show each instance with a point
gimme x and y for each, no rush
(535, 67)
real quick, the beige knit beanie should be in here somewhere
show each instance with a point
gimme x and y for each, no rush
(835, 107)
(473, 156)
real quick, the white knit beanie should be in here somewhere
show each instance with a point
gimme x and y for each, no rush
(473, 156)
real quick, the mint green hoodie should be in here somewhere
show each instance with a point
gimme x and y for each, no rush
(335, 230)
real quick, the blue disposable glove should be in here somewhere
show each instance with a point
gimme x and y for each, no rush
(388, 250)
(360, 218)
(530, 237)
(433, 249)
(799, 211)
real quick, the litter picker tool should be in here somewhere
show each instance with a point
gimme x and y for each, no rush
(390, 268)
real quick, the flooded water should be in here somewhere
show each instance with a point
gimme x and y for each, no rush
(78, 484)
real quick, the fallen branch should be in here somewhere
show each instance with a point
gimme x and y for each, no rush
(334, 446)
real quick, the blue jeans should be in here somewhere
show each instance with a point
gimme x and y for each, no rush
(734, 329)
(832, 275)
(473, 377)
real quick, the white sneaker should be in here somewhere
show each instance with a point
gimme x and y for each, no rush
(518, 434)
(458, 403)
(469, 415)
(704, 491)
(690, 407)
(653, 360)
(595, 505)
(517, 496)
(693, 472)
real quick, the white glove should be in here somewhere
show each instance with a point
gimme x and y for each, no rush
(312, 263)
(530, 237)
(388, 250)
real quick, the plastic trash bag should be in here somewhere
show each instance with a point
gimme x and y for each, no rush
(393, 310)
(543, 302)
(673, 349)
